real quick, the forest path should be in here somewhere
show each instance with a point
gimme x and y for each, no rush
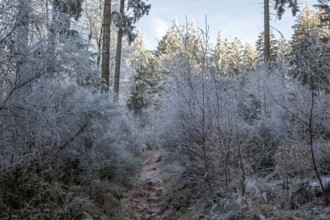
(145, 201)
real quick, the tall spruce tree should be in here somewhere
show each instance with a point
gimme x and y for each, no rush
(324, 6)
(266, 32)
(273, 46)
(106, 25)
(144, 80)
(171, 42)
(310, 35)
(280, 6)
(250, 57)
(192, 42)
(118, 51)
(125, 26)
(222, 51)
(235, 57)
(307, 24)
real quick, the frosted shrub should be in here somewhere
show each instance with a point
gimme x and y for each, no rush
(59, 134)
(233, 131)
(200, 117)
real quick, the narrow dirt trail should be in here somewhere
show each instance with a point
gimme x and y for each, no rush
(145, 202)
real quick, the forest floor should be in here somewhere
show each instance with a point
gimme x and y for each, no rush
(145, 201)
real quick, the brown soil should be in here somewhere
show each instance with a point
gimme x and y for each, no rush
(145, 202)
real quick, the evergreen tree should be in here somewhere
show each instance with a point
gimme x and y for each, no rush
(177, 40)
(170, 47)
(192, 43)
(235, 58)
(217, 53)
(106, 25)
(250, 56)
(266, 33)
(222, 50)
(72, 8)
(125, 26)
(310, 35)
(171, 42)
(283, 47)
(307, 26)
(120, 34)
(280, 6)
(145, 79)
(324, 6)
(273, 47)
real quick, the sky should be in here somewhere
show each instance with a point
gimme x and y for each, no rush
(233, 18)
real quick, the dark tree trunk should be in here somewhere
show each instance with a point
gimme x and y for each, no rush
(106, 42)
(22, 39)
(52, 43)
(266, 32)
(118, 52)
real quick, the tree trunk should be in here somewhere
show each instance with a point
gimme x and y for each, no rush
(311, 140)
(22, 39)
(266, 32)
(52, 43)
(118, 52)
(99, 50)
(106, 42)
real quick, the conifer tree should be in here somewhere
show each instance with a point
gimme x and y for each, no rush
(120, 33)
(308, 25)
(309, 33)
(250, 56)
(222, 51)
(236, 57)
(125, 27)
(284, 50)
(170, 42)
(280, 6)
(273, 47)
(217, 52)
(266, 33)
(192, 42)
(145, 79)
(106, 24)
(324, 6)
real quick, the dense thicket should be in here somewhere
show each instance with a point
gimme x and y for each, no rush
(249, 140)
(66, 150)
